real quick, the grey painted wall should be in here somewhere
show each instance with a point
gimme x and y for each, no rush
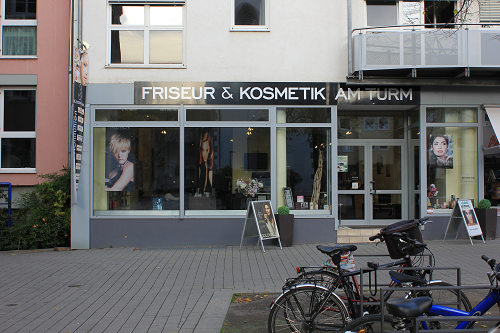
(166, 233)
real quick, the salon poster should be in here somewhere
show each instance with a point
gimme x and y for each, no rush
(469, 217)
(119, 160)
(342, 164)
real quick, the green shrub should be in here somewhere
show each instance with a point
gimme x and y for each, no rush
(283, 210)
(43, 219)
(484, 204)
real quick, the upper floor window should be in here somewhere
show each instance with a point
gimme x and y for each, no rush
(147, 34)
(390, 13)
(250, 15)
(17, 128)
(18, 27)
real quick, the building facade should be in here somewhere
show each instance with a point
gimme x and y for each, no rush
(184, 113)
(34, 83)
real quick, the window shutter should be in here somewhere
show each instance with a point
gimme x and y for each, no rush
(489, 11)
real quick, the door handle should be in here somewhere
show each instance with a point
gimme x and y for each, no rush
(373, 190)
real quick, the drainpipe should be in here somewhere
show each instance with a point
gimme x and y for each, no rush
(349, 35)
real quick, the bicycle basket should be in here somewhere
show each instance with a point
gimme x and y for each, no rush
(394, 245)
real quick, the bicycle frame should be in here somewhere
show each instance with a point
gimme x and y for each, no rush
(487, 303)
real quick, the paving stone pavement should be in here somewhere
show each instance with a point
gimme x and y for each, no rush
(171, 290)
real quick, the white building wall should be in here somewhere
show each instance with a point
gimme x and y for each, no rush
(307, 41)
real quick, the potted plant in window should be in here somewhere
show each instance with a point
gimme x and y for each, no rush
(285, 225)
(487, 218)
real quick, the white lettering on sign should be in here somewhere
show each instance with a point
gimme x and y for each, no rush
(288, 93)
(391, 94)
(178, 93)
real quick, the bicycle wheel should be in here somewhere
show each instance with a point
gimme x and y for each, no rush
(344, 288)
(293, 310)
(495, 329)
(371, 324)
(446, 297)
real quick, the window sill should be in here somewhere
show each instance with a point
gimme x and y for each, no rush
(17, 170)
(18, 57)
(141, 66)
(250, 29)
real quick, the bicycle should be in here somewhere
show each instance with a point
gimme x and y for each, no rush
(311, 301)
(402, 313)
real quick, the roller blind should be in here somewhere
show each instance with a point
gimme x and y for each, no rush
(149, 2)
(489, 11)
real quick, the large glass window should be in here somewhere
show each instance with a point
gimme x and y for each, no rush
(17, 128)
(362, 125)
(304, 167)
(147, 34)
(225, 168)
(451, 166)
(18, 28)
(136, 169)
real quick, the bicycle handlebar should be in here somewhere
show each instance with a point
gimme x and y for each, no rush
(494, 266)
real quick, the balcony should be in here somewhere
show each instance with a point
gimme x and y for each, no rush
(426, 53)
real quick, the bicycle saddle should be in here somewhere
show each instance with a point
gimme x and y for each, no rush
(402, 277)
(408, 308)
(332, 250)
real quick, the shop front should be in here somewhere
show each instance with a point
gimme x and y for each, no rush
(169, 164)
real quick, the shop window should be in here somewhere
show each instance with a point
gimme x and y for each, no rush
(370, 125)
(451, 115)
(18, 133)
(306, 115)
(147, 34)
(250, 15)
(136, 169)
(491, 166)
(227, 115)
(451, 166)
(226, 168)
(19, 22)
(136, 115)
(304, 167)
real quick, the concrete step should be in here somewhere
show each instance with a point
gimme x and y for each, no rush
(346, 235)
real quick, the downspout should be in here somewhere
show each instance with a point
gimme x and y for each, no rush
(349, 36)
(70, 80)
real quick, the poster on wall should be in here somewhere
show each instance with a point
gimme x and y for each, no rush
(120, 161)
(342, 165)
(260, 222)
(440, 151)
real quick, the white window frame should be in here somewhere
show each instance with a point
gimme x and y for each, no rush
(265, 27)
(15, 23)
(14, 135)
(400, 16)
(146, 28)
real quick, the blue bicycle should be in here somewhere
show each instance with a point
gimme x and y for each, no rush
(402, 313)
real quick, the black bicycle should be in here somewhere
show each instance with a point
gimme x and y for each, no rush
(325, 299)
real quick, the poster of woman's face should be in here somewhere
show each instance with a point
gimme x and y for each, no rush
(265, 218)
(206, 162)
(119, 164)
(441, 151)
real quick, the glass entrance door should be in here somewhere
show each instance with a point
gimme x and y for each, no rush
(370, 184)
(386, 184)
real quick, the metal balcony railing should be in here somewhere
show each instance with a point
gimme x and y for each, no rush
(393, 47)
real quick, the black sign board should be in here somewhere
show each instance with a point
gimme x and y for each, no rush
(272, 93)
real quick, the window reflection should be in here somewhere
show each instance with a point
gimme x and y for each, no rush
(216, 158)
